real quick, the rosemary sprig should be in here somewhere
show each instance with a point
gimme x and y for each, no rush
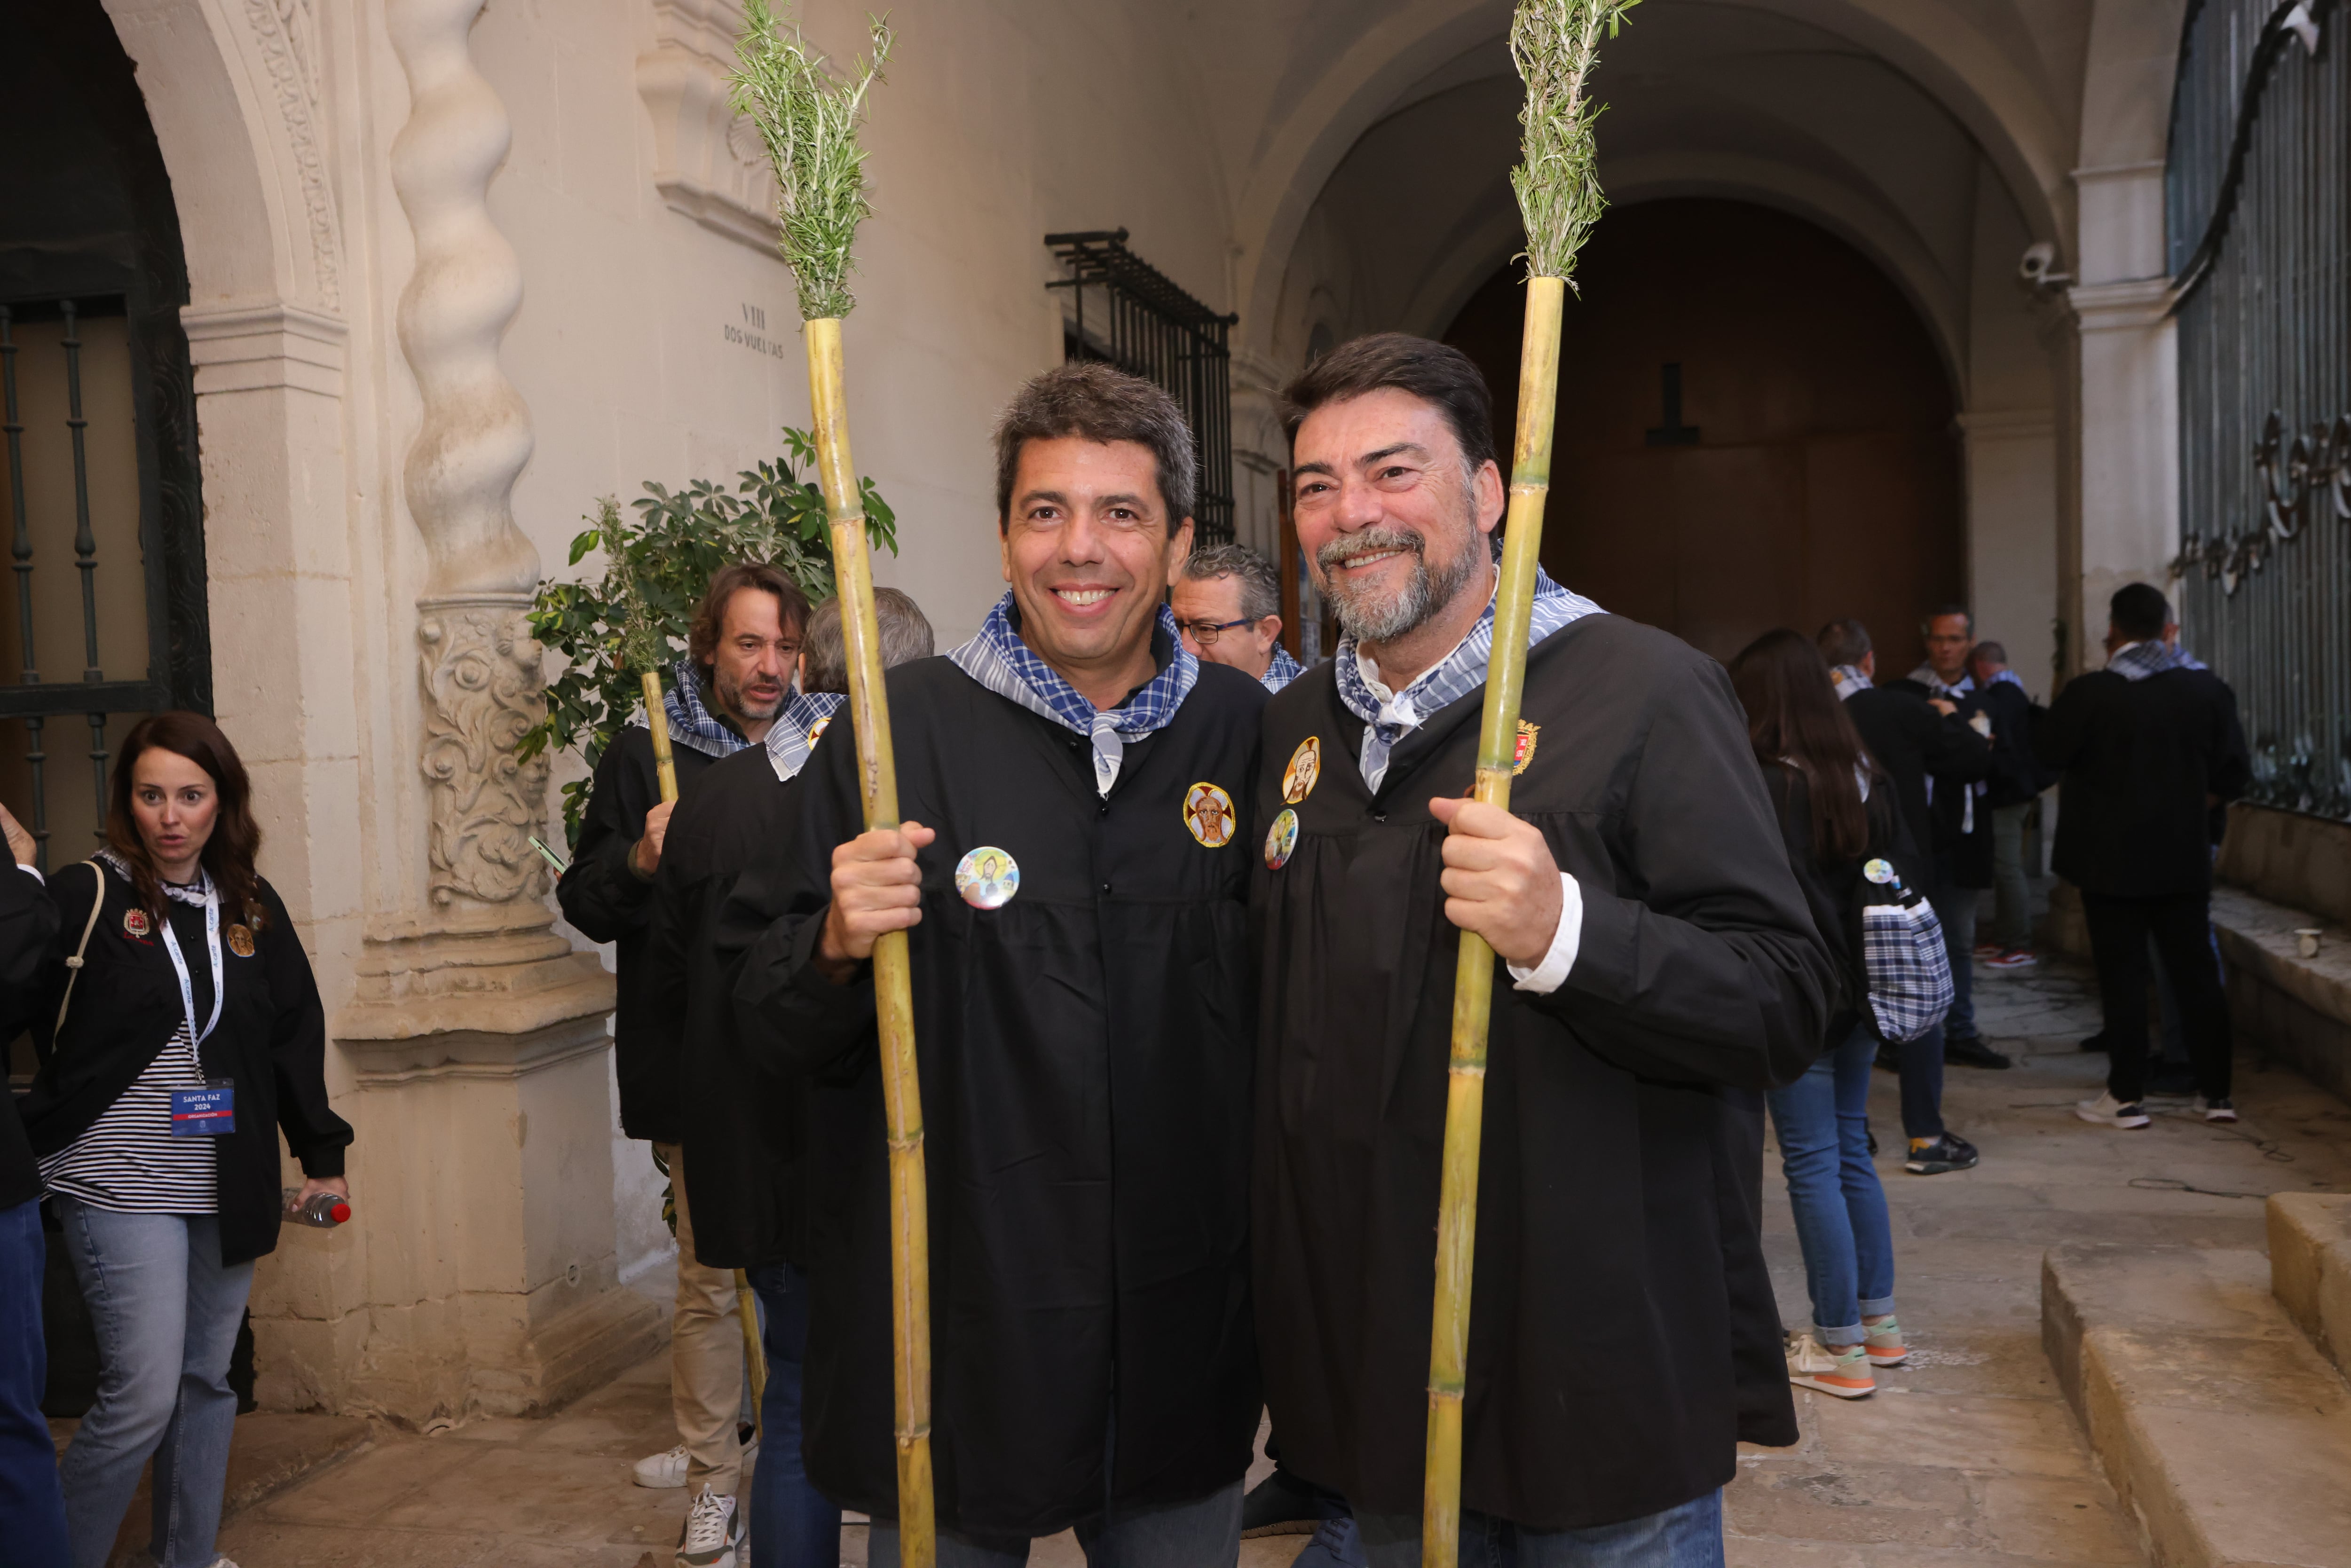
(1554, 43)
(807, 116)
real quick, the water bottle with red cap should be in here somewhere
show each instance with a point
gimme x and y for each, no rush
(325, 1209)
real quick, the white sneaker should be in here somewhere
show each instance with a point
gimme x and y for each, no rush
(663, 1471)
(2215, 1109)
(2108, 1111)
(1844, 1374)
(714, 1532)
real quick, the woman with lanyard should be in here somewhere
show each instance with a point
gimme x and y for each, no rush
(179, 1030)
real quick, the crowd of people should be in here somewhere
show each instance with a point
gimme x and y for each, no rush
(1183, 921)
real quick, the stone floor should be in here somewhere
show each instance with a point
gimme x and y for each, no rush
(1967, 1457)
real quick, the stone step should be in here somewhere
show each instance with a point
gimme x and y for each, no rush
(2310, 1267)
(2224, 1430)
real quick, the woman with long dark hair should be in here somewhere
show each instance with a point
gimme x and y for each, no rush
(179, 1032)
(1835, 813)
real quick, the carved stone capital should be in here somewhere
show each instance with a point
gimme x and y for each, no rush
(483, 686)
(708, 163)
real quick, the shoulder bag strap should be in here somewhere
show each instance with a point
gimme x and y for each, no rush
(73, 965)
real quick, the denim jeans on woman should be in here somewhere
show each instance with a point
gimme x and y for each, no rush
(1203, 1533)
(166, 1313)
(793, 1525)
(1822, 1121)
(32, 1510)
(1688, 1536)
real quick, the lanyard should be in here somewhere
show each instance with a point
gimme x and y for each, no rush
(180, 964)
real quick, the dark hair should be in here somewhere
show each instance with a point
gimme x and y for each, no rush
(2138, 610)
(1434, 372)
(906, 637)
(1845, 641)
(710, 615)
(1100, 403)
(1793, 718)
(235, 838)
(1261, 584)
(1989, 651)
(1927, 626)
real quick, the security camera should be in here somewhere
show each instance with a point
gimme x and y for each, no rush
(2034, 269)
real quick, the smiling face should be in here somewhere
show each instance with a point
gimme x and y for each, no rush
(1088, 548)
(1393, 521)
(174, 803)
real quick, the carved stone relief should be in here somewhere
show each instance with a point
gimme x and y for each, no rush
(708, 163)
(482, 670)
(286, 33)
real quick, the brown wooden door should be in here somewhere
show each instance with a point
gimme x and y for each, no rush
(1814, 470)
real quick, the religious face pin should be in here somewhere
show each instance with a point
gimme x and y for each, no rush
(1305, 770)
(1878, 871)
(1208, 813)
(135, 922)
(987, 878)
(240, 941)
(1281, 839)
(1525, 753)
(816, 730)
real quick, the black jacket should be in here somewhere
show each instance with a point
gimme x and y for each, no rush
(1622, 1326)
(271, 1042)
(27, 921)
(2140, 759)
(604, 897)
(1833, 883)
(1910, 740)
(2018, 774)
(748, 1133)
(1085, 1054)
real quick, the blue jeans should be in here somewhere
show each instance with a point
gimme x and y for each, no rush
(792, 1524)
(1955, 908)
(166, 1311)
(1822, 1120)
(32, 1507)
(1203, 1533)
(1688, 1536)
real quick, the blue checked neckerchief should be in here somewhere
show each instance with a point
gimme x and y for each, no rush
(2010, 676)
(1446, 682)
(691, 724)
(1282, 670)
(2137, 661)
(998, 659)
(789, 744)
(1849, 678)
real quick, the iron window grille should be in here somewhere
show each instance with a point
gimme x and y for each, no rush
(1144, 323)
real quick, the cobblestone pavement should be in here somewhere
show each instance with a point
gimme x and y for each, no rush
(1968, 1458)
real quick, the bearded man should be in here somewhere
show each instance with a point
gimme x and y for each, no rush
(724, 696)
(1073, 874)
(1660, 961)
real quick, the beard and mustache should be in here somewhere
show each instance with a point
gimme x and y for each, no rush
(736, 700)
(1370, 615)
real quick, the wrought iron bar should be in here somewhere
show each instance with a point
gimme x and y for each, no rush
(85, 557)
(21, 549)
(1154, 329)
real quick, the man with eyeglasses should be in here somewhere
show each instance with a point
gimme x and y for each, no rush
(724, 695)
(1227, 604)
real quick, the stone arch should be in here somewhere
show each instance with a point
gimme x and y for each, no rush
(1952, 61)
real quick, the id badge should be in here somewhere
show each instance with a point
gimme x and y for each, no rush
(205, 1113)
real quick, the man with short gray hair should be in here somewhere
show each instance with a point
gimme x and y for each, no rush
(1227, 604)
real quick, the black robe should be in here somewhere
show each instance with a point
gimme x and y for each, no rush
(1622, 1334)
(747, 1137)
(1085, 1057)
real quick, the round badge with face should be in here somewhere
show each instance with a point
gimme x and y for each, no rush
(1281, 839)
(987, 878)
(1879, 872)
(1208, 813)
(816, 730)
(1305, 770)
(135, 922)
(240, 941)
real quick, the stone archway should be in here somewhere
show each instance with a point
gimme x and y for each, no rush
(1810, 470)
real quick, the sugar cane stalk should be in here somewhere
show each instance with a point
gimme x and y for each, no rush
(807, 117)
(1554, 43)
